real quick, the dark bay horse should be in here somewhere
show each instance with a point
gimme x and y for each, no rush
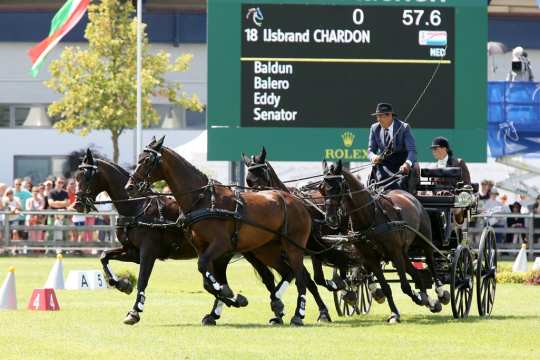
(370, 215)
(143, 244)
(271, 224)
(261, 174)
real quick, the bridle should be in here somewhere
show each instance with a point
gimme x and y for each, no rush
(142, 184)
(265, 170)
(332, 182)
(86, 198)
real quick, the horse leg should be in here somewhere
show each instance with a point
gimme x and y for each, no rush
(374, 267)
(324, 315)
(276, 305)
(147, 260)
(442, 294)
(399, 260)
(434, 305)
(376, 292)
(211, 284)
(318, 275)
(120, 254)
(296, 260)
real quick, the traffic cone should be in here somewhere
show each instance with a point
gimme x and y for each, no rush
(536, 265)
(8, 293)
(520, 264)
(56, 275)
(43, 299)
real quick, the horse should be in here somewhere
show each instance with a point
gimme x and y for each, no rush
(272, 224)
(143, 244)
(373, 217)
(261, 174)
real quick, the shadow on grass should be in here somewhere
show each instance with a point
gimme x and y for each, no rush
(368, 322)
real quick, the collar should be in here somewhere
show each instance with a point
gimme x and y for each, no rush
(443, 162)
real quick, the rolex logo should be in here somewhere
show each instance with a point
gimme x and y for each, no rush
(348, 138)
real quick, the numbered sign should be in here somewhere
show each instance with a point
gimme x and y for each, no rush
(44, 300)
(85, 280)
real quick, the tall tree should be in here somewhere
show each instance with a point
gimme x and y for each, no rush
(98, 83)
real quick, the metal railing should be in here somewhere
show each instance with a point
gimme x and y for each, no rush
(51, 231)
(528, 230)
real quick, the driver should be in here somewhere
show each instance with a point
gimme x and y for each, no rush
(393, 138)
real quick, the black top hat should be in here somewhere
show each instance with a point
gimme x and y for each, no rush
(383, 108)
(440, 141)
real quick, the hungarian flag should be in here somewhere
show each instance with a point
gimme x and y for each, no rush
(64, 20)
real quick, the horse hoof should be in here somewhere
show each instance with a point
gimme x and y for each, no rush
(132, 318)
(445, 298)
(378, 295)
(297, 321)
(393, 319)
(241, 300)
(124, 285)
(208, 320)
(435, 307)
(276, 321)
(277, 306)
(324, 316)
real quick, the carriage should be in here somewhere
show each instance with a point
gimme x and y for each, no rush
(451, 207)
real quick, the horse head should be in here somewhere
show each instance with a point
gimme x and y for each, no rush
(148, 169)
(89, 184)
(333, 187)
(258, 174)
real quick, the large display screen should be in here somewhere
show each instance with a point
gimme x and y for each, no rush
(329, 65)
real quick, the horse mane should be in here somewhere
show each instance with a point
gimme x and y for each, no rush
(275, 178)
(123, 172)
(187, 164)
(354, 183)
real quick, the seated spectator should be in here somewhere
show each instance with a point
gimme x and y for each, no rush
(22, 194)
(512, 222)
(35, 203)
(494, 206)
(12, 204)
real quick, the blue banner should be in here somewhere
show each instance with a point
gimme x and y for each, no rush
(513, 118)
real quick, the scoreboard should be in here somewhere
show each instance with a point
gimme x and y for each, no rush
(329, 65)
(303, 77)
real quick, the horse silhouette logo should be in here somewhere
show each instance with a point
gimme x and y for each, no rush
(256, 14)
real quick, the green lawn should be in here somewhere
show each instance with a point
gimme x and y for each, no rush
(89, 325)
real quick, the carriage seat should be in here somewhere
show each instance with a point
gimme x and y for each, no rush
(449, 172)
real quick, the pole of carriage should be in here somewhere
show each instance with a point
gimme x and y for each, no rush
(138, 134)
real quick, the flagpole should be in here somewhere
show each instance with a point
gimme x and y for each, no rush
(139, 85)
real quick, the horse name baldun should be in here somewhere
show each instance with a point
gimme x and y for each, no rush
(272, 67)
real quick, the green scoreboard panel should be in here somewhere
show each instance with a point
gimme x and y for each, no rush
(302, 77)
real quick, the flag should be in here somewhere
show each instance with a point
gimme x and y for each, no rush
(65, 19)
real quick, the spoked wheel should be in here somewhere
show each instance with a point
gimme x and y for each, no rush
(461, 282)
(357, 287)
(486, 271)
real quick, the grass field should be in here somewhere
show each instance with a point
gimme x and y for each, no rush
(89, 325)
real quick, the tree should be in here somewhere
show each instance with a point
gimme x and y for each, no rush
(99, 84)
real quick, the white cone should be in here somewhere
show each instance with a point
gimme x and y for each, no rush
(8, 292)
(56, 275)
(536, 265)
(520, 264)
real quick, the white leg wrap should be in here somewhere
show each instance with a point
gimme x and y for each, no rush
(302, 310)
(115, 278)
(219, 308)
(140, 303)
(331, 284)
(372, 287)
(215, 284)
(440, 291)
(282, 289)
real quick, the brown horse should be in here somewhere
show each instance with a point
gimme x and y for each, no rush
(143, 244)
(274, 225)
(372, 216)
(261, 174)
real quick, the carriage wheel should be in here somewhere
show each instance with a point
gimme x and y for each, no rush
(364, 297)
(357, 286)
(461, 282)
(486, 271)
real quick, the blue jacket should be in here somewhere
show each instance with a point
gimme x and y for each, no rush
(403, 145)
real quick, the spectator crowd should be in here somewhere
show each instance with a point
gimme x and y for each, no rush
(51, 195)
